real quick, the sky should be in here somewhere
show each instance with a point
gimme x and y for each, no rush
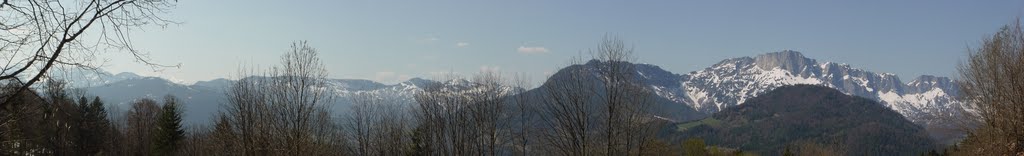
(392, 41)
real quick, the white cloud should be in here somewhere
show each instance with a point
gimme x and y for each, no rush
(531, 50)
(489, 69)
(461, 44)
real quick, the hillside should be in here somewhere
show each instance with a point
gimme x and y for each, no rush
(806, 113)
(651, 77)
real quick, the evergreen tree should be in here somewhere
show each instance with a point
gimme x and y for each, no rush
(168, 132)
(85, 128)
(101, 124)
(94, 128)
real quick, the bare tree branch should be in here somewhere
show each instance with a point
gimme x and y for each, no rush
(57, 29)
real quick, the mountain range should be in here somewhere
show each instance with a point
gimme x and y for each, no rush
(204, 99)
(725, 84)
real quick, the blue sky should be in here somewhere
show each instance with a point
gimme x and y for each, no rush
(390, 41)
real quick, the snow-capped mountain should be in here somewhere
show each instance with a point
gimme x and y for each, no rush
(88, 78)
(725, 84)
(926, 100)
(199, 102)
(204, 98)
(733, 81)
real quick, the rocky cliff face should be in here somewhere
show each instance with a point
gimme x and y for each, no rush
(733, 81)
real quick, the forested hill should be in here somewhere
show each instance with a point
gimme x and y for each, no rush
(800, 114)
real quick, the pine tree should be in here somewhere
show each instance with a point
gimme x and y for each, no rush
(168, 132)
(84, 128)
(94, 128)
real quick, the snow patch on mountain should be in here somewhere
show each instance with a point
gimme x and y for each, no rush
(733, 81)
(725, 84)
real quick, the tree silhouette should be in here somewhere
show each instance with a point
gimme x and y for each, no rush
(990, 80)
(169, 132)
(38, 35)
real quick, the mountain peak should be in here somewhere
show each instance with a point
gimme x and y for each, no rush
(650, 74)
(418, 82)
(597, 62)
(127, 75)
(356, 84)
(219, 83)
(929, 78)
(926, 83)
(788, 60)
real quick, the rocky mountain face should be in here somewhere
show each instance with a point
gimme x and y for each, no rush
(733, 81)
(927, 100)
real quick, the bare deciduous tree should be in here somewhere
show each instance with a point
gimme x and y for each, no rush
(488, 108)
(378, 124)
(216, 139)
(628, 123)
(568, 111)
(283, 112)
(36, 35)
(525, 112)
(141, 122)
(462, 117)
(59, 122)
(990, 81)
(602, 104)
